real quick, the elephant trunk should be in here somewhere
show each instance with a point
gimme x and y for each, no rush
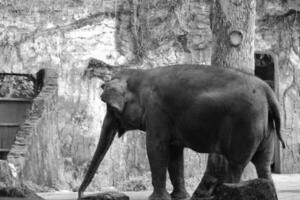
(108, 133)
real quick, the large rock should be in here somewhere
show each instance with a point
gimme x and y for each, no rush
(256, 189)
(107, 196)
(10, 186)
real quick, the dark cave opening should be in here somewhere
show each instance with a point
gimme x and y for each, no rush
(265, 69)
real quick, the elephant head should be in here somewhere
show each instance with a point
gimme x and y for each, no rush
(123, 113)
(100, 69)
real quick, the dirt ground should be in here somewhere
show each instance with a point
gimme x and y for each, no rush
(288, 188)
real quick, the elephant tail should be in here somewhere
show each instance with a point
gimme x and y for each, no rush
(274, 113)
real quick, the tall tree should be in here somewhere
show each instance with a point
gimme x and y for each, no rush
(233, 29)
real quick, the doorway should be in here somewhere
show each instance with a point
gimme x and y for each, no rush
(265, 68)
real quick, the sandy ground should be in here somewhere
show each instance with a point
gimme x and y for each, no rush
(288, 188)
(73, 196)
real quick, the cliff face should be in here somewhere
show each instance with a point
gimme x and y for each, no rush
(279, 35)
(64, 34)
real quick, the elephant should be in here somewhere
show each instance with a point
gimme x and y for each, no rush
(209, 109)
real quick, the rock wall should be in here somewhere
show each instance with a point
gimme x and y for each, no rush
(64, 34)
(279, 36)
(164, 32)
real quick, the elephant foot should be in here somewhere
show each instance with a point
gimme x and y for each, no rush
(180, 195)
(164, 195)
(206, 188)
(202, 195)
(202, 198)
(206, 194)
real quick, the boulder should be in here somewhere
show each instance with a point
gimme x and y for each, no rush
(10, 186)
(256, 189)
(111, 195)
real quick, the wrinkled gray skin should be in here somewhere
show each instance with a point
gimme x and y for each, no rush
(205, 108)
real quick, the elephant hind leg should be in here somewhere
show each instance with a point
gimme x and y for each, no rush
(263, 158)
(262, 161)
(234, 172)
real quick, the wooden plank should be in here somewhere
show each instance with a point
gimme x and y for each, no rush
(14, 112)
(7, 136)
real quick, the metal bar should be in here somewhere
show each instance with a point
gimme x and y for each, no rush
(4, 150)
(15, 99)
(9, 124)
(15, 74)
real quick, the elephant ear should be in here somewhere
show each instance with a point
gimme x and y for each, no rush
(114, 94)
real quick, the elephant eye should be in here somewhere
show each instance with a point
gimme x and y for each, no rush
(103, 85)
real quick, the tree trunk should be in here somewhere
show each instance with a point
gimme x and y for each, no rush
(233, 29)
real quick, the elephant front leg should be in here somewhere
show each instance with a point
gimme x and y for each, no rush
(158, 155)
(176, 172)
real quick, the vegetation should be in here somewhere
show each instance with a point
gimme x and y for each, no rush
(16, 86)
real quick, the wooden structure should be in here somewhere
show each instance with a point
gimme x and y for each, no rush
(13, 112)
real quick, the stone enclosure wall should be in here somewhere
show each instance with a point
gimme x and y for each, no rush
(64, 34)
(278, 35)
(36, 151)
